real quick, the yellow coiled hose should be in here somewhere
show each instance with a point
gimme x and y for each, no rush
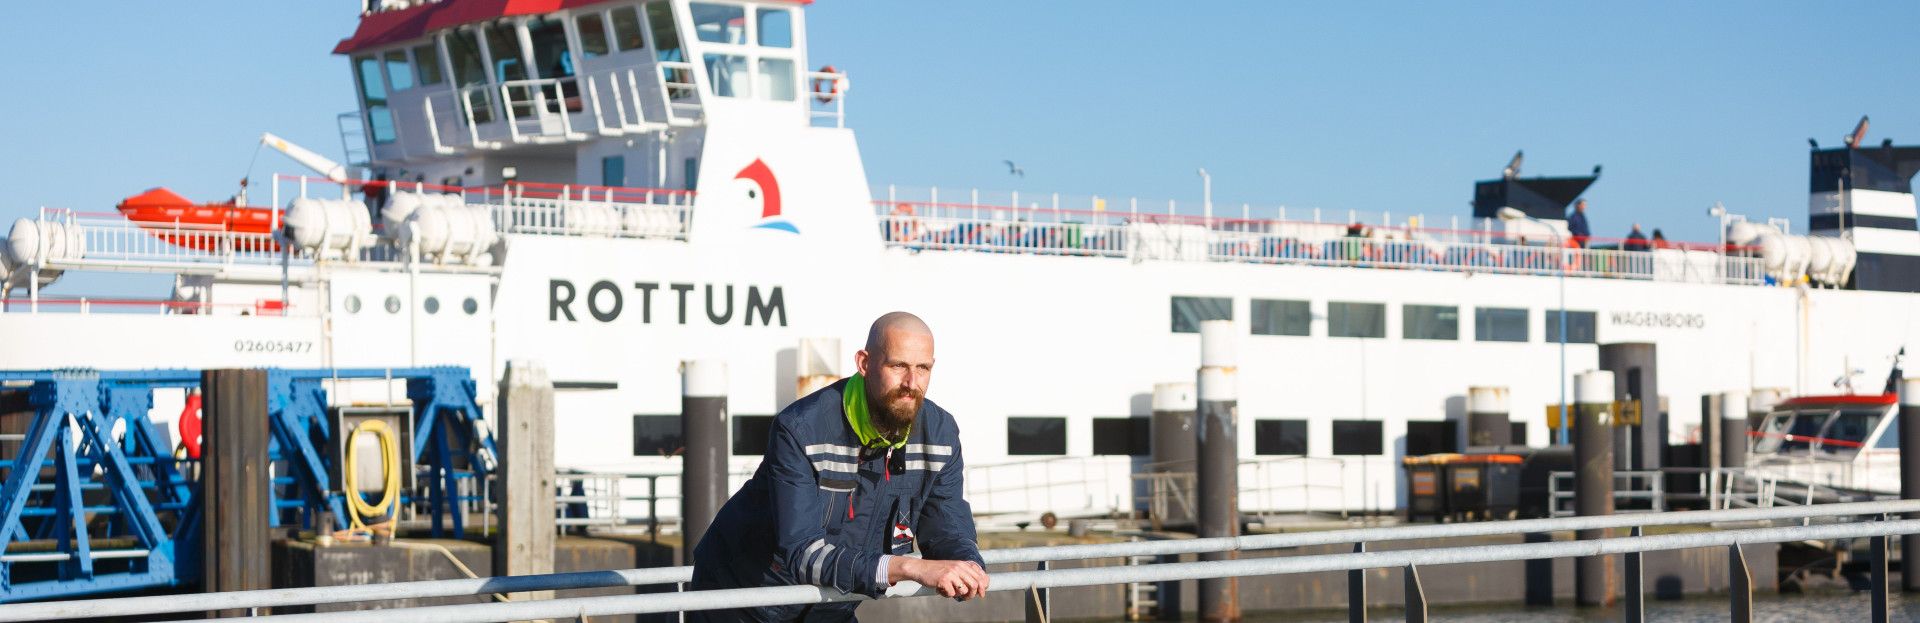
(389, 468)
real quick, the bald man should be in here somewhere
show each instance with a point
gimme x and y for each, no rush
(856, 476)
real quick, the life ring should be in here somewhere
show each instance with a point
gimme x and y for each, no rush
(826, 88)
(190, 428)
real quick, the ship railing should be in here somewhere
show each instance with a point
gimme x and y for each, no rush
(624, 500)
(1018, 491)
(1307, 243)
(679, 95)
(538, 207)
(111, 242)
(1269, 486)
(1260, 554)
(1712, 488)
(590, 211)
(827, 106)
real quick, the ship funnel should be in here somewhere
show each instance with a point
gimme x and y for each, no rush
(1864, 194)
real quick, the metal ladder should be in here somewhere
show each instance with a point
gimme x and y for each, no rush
(1143, 598)
(353, 139)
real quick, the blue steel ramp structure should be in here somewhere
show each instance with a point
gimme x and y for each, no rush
(94, 499)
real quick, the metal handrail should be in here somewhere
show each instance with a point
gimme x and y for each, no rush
(637, 577)
(1093, 576)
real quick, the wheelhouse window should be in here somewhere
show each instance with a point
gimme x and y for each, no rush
(593, 32)
(775, 26)
(1280, 437)
(657, 435)
(1122, 436)
(1771, 430)
(776, 79)
(1803, 429)
(1031, 436)
(373, 99)
(550, 56)
(1848, 431)
(1356, 319)
(1580, 327)
(626, 26)
(399, 71)
(1889, 440)
(470, 70)
(666, 40)
(1276, 317)
(1430, 322)
(719, 23)
(1500, 324)
(1357, 438)
(1189, 311)
(426, 59)
(728, 75)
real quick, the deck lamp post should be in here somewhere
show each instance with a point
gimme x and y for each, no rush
(1510, 214)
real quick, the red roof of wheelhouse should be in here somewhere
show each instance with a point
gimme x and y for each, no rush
(388, 27)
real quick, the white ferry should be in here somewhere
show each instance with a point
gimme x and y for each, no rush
(611, 187)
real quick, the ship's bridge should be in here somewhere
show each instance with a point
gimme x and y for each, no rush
(464, 78)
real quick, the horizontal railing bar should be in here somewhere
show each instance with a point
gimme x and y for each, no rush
(668, 575)
(1093, 576)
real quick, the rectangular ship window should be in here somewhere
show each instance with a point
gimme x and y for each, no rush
(626, 28)
(593, 32)
(426, 59)
(1028, 436)
(1356, 319)
(1280, 437)
(1431, 437)
(1277, 317)
(1502, 324)
(1580, 327)
(1188, 311)
(1357, 437)
(1430, 322)
(656, 435)
(1519, 432)
(750, 434)
(1122, 436)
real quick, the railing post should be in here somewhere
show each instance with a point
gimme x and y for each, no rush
(1416, 597)
(1877, 604)
(1739, 585)
(1357, 590)
(1636, 585)
(1909, 422)
(1039, 600)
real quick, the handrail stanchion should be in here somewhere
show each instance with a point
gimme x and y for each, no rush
(1739, 584)
(1416, 596)
(1635, 585)
(1877, 602)
(1357, 590)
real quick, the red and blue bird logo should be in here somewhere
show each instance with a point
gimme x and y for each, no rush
(769, 195)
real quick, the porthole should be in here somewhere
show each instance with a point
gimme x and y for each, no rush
(432, 305)
(352, 303)
(393, 304)
(470, 306)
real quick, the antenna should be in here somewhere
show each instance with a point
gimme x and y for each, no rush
(1859, 133)
(1513, 166)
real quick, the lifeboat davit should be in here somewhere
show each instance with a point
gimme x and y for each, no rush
(181, 222)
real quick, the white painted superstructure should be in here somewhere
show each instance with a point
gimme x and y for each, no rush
(665, 182)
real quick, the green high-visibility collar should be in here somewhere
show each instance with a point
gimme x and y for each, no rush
(855, 400)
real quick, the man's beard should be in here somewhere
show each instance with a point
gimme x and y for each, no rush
(892, 415)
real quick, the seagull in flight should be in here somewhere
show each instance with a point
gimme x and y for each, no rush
(1014, 169)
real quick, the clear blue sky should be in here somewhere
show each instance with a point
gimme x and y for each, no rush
(1364, 106)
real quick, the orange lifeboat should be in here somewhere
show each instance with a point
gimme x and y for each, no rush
(181, 222)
